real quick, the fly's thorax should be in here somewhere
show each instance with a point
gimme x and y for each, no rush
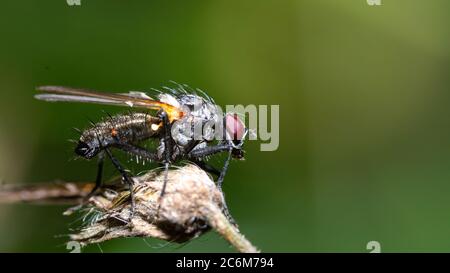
(190, 129)
(181, 132)
(199, 122)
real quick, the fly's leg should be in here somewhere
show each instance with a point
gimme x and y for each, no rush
(210, 150)
(202, 152)
(227, 161)
(124, 174)
(98, 179)
(219, 185)
(202, 164)
(224, 170)
(167, 149)
(98, 184)
(138, 151)
(132, 149)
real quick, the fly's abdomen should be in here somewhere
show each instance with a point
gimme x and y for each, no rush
(130, 128)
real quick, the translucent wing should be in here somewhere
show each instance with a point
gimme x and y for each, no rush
(61, 93)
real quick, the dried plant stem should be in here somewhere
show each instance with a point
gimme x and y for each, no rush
(51, 193)
(191, 206)
(229, 232)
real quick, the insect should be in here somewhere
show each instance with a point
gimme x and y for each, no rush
(178, 113)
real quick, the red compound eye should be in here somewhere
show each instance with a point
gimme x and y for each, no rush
(235, 127)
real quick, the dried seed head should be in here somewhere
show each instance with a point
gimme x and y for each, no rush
(180, 217)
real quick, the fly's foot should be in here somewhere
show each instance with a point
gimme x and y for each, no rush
(130, 182)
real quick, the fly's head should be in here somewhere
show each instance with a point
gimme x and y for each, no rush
(235, 132)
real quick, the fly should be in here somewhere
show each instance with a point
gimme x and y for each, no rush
(177, 113)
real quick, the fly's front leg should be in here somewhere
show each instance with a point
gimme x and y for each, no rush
(210, 150)
(224, 170)
(202, 152)
(205, 166)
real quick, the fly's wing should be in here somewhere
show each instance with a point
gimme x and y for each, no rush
(68, 94)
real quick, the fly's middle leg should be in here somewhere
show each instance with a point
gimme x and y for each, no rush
(167, 138)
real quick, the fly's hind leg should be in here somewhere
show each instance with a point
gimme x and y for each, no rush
(98, 184)
(125, 176)
(98, 179)
(196, 155)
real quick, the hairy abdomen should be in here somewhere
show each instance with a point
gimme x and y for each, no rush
(130, 128)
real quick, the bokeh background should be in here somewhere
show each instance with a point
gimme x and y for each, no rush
(364, 95)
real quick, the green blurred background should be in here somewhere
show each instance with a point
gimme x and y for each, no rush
(364, 95)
